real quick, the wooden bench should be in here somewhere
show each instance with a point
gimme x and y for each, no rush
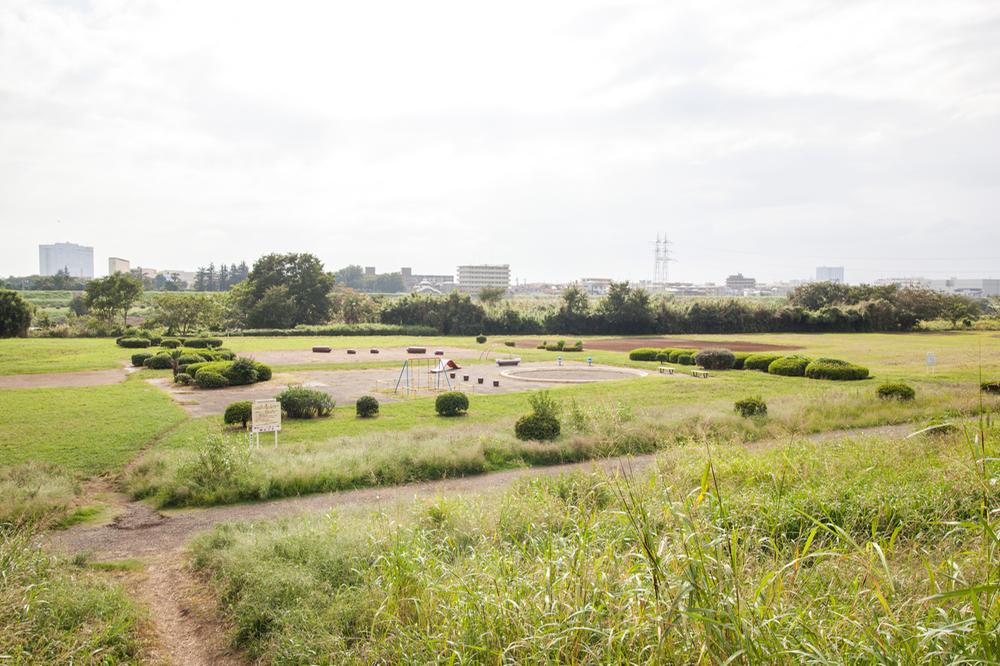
(666, 370)
(321, 350)
(700, 373)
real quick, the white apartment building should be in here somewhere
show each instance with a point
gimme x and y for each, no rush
(118, 265)
(830, 274)
(475, 277)
(77, 260)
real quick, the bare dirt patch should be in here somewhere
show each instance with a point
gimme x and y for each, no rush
(64, 379)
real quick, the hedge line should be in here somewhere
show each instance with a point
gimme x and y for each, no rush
(338, 330)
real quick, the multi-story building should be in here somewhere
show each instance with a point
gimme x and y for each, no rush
(118, 265)
(77, 260)
(476, 277)
(443, 283)
(739, 283)
(829, 273)
(595, 286)
(974, 287)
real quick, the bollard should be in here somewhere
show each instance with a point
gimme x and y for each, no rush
(559, 360)
(465, 378)
(480, 380)
(496, 383)
(590, 360)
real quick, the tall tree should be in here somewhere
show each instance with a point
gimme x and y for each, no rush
(15, 314)
(299, 279)
(112, 294)
(223, 277)
(210, 283)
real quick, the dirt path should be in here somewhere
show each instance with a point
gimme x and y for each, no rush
(64, 379)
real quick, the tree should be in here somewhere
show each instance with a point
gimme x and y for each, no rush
(627, 310)
(306, 288)
(491, 295)
(223, 277)
(15, 314)
(181, 314)
(112, 294)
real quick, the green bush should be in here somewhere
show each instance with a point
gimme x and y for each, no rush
(789, 366)
(685, 358)
(159, 362)
(367, 406)
(299, 402)
(139, 358)
(759, 361)
(203, 343)
(835, 369)
(263, 372)
(753, 406)
(740, 357)
(990, 386)
(183, 378)
(240, 372)
(239, 412)
(15, 314)
(170, 343)
(675, 355)
(897, 391)
(663, 356)
(133, 343)
(715, 359)
(538, 427)
(509, 343)
(643, 354)
(189, 359)
(207, 379)
(220, 354)
(480, 339)
(452, 403)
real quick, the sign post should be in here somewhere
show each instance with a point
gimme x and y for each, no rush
(931, 361)
(266, 417)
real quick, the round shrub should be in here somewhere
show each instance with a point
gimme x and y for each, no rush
(220, 354)
(897, 391)
(170, 343)
(15, 314)
(367, 406)
(540, 427)
(203, 343)
(239, 412)
(685, 358)
(240, 372)
(480, 339)
(452, 403)
(715, 359)
(835, 369)
(159, 362)
(139, 358)
(133, 343)
(207, 379)
(753, 406)
(509, 343)
(663, 356)
(759, 361)
(739, 358)
(789, 366)
(183, 378)
(263, 372)
(299, 402)
(991, 387)
(643, 354)
(188, 359)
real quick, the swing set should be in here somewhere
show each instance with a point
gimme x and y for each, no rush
(425, 374)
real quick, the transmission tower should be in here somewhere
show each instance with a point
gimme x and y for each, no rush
(661, 260)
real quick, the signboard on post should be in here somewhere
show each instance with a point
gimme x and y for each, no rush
(931, 361)
(266, 417)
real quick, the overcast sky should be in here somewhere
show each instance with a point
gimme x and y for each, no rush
(559, 137)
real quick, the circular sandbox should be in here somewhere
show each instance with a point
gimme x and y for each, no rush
(572, 374)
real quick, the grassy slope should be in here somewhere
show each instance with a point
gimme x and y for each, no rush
(827, 553)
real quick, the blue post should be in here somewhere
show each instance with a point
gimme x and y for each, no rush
(590, 360)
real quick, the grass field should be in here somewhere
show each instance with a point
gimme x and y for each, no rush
(819, 553)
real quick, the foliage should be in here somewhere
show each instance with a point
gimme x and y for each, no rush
(342, 330)
(284, 290)
(263, 372)
(454, 314)
(184, 379)
(170, 343)
(15, 314)
(685, 358)
(752, 406)
(111, 295)
(182, 313)
(715, 359)
(896, 391)
(760, 361)
(367, 406)
(299, 402)
(203, 343)
(990, 387)
(207, 379)
(241, 371)
(491, 295)
(481, 339)
(831, 368)
(133, 343)
(644, 354)
(238, 412)
(159, 362)
(139, 358)
(354, 277)
(739, 358)
(626, 310)
(537, 427)
(451, 403)
(789, 366)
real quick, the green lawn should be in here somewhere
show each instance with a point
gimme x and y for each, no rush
(25, 356)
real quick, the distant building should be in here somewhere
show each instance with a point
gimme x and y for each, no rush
(77, 260)
(830, 274)
(740, 283)
(595, 286)
(476, 277)
(118, 265)
(973, 287)
(442, 283)
(369, 270)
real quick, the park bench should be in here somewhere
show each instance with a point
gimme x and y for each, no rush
(321, 350)
(666, 370)
(699, 373)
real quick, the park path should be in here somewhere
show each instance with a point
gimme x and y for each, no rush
(64, 379)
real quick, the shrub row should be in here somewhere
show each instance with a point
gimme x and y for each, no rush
(835, 369)
(341, 329)
(560, 346)
(789, 366)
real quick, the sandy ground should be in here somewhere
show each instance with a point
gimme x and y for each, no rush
(64, 379)
(364, 355)
(346, 386)
(628, 344)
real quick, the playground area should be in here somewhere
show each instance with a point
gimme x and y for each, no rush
(392, 384)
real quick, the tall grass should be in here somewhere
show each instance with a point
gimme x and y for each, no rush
(862, 550)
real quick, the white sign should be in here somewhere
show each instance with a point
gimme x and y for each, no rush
(266, 416)
(931, 359)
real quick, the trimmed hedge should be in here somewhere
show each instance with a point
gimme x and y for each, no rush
(134, 343)
(366, 407)
(170, 343)
(239, 412)
(643, 354)
(159, 362)
(342, 329)
(480, 339)
(715, 359)
(263, 372)
(452, 403)
(685, 358)
(789, 366)
(835, 369)
(241, 372)
(897, 391)
(183, 378)
(740, 357)
(299, 402)
(749, 407)
(139, 358)
(190, 359)
(759, 361)
(208, 379)
(538, 427)
(203, 343)
(990, 387)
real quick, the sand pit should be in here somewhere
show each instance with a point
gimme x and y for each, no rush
(363, 355)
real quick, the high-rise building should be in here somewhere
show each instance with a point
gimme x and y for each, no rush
(740, 283)
(118, 265)
(475, 277)
(829, 273)
(77, 260)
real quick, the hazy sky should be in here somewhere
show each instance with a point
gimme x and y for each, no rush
(559, 137)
